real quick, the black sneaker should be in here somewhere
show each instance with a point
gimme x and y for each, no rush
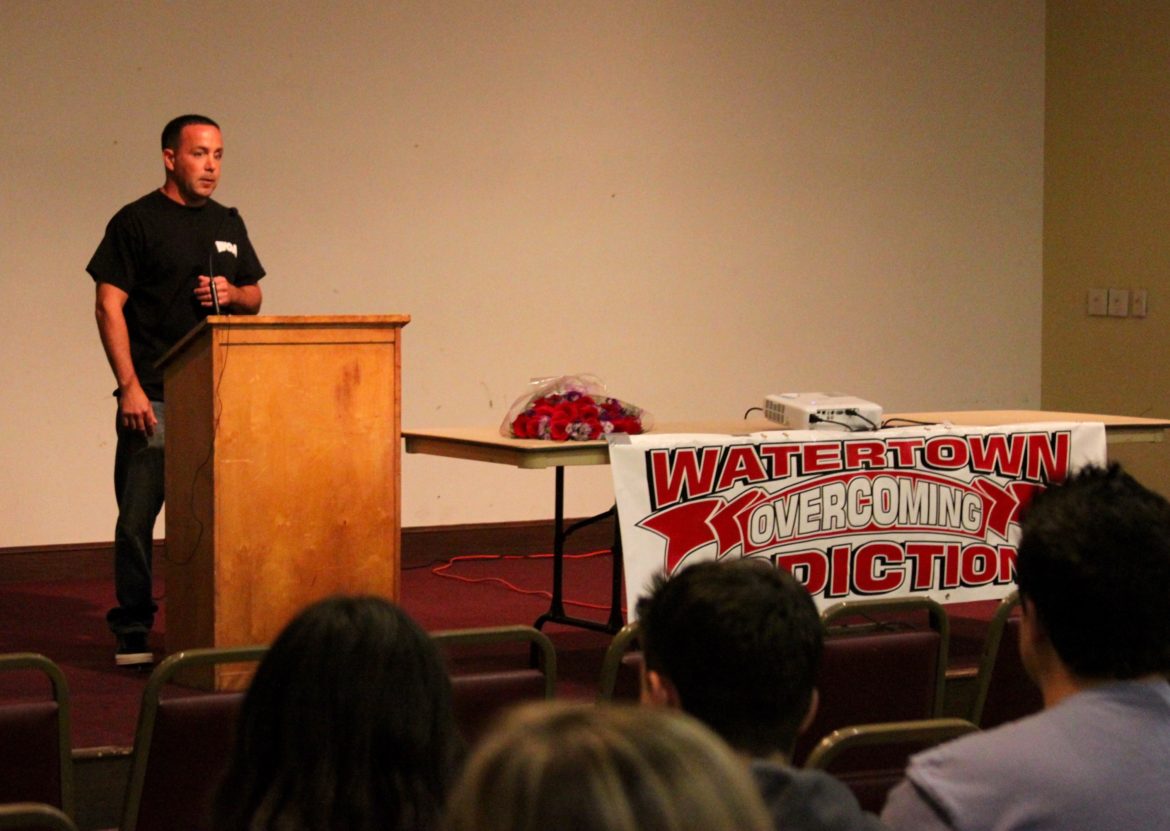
(133, 651)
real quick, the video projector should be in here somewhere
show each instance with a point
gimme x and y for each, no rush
(822, 411)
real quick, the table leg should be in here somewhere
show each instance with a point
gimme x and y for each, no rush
(556, 611)
(616, 621)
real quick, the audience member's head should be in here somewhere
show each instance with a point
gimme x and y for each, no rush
(737, 645)
(1094, 568)
(583, 767)
(347, 724)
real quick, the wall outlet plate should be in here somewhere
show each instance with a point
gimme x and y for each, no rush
(1098, 302)
(1119, 302)
(1137, 303)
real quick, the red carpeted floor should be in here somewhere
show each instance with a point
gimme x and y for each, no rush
(65, 620)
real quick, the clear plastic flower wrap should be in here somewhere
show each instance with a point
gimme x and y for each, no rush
(571, 408)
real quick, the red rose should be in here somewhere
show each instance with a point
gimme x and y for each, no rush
(566, 410)
(626, 424)
(558, 428)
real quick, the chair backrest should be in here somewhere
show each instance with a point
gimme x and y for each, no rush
(35, 816)
(483, 684)
(36, 761)
(888, 665)
(621, 668)
(182, 745)
(871, 758)
(1004, 692)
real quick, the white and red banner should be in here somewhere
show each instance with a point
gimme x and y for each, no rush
(930, 511)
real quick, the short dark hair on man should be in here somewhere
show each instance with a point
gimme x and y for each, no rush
(174, 129)
(741, 643)
(1094, 559)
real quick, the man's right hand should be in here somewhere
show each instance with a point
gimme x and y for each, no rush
(134, 410)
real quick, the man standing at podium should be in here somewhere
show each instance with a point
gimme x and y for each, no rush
(167, 261)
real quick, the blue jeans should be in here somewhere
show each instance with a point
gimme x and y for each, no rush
(139, 486)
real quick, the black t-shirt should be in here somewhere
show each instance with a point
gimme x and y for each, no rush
(154, 250)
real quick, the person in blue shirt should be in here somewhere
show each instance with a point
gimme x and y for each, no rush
(1093, 571)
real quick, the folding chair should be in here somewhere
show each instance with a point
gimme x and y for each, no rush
(480, 688)
(35, 815)
(621, 668)
(884, 660)
(849, 753)
(36, 761)
(182, 745)
(1004, 692)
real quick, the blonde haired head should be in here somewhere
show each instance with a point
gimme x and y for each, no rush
(582, 767)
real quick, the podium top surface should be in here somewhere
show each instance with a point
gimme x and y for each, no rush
(304, 322)
(307, 320)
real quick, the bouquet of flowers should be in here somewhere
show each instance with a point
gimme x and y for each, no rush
(571, 408)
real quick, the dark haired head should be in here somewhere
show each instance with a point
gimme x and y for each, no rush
(347, 724)
(1094, 560)
(741, 643)
(174, 129)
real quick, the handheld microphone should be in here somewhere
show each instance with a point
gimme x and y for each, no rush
(232, 214)
(211, 277)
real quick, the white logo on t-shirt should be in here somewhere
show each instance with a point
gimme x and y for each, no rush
(222, 246)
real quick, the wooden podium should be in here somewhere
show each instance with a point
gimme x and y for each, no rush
(282, 474)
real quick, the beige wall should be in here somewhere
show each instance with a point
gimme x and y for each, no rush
(702, 202)
(1107, 213)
